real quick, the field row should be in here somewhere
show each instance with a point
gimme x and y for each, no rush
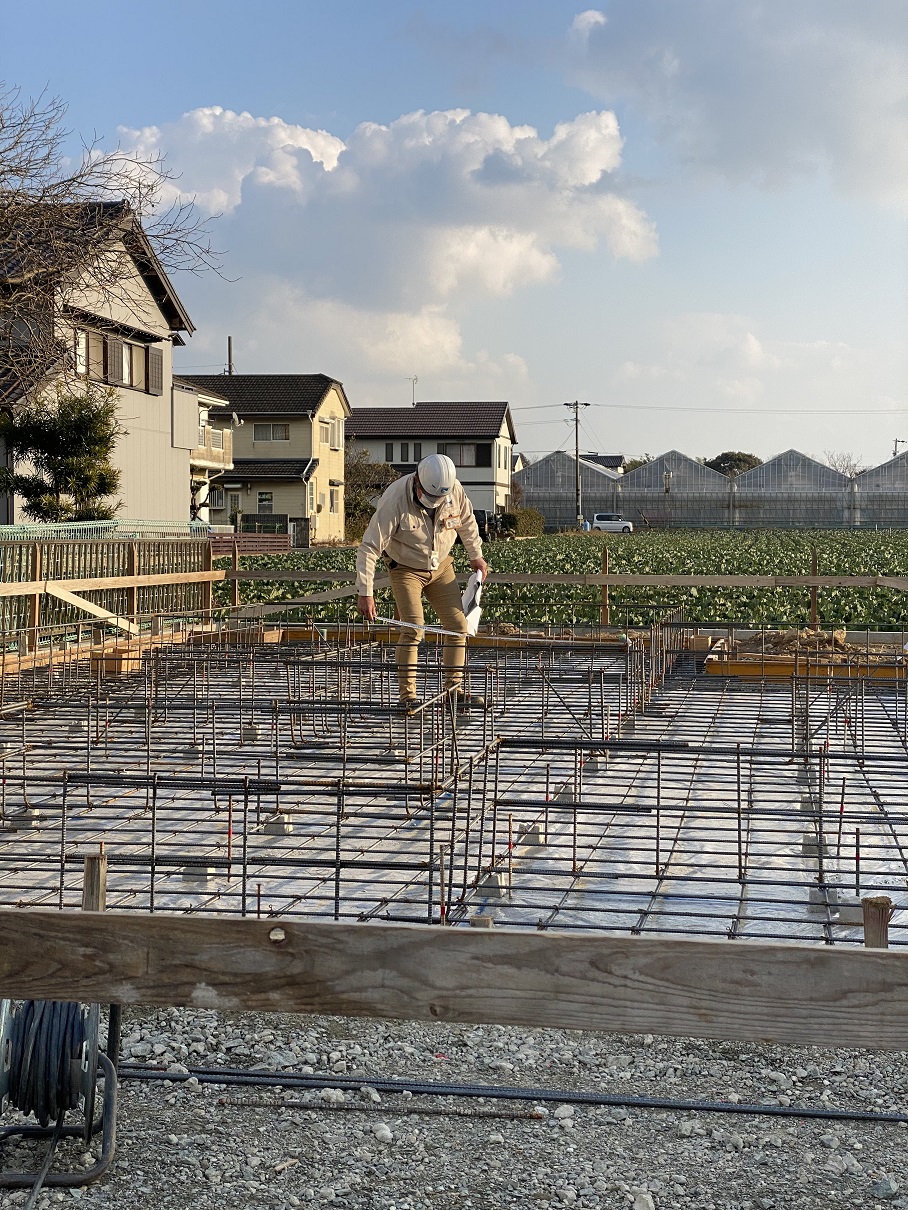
(693, 552)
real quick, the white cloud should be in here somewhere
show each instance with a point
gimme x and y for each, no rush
(584, 23)
(761, 92)
(707, 357)
(215, 150)
(381, 345)
(393, 234)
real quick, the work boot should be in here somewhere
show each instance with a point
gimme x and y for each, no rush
(464, 701)
(409, 705)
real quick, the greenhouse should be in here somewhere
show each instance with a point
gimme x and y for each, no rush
(674, 491)
(551, 484)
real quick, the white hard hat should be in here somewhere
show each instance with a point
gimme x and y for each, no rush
(437, 474)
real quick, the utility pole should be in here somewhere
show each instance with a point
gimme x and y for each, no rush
(230, 356)
(575, 408)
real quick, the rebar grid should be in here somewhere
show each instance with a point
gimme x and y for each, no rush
(605, 785)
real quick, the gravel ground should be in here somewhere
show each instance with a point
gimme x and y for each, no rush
(186, 1146)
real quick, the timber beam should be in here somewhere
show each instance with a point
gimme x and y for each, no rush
(809, 995)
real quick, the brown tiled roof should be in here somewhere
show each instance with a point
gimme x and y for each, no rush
(464, 420)
(271, 468)
(268, 394)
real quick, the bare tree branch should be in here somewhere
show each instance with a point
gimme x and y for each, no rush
(72, 233)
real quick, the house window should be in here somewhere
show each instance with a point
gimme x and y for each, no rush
(81, 352)
(266, 502)
(405, 451)
(269, 432)
(233, 502)
(417, 451)
(311, 499)
(467, 453)
(324, 432)
(337, 434)
(389, 451)
(334, 505)
(216, 497)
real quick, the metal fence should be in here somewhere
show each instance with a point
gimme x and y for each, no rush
(119, 528)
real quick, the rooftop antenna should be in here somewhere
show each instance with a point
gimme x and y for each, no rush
(414, 380)
(230, 356)
(895, 448)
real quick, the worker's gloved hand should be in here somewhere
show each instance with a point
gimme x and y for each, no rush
(480, 565)
(366, 606)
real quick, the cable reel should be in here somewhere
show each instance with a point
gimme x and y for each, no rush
(49, 1066)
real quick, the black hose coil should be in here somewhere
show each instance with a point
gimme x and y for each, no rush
(47, 1048)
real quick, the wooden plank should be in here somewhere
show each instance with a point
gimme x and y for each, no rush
(814, 995)
(96, 611)
(25, 588)
(291, 575)
(315, 598)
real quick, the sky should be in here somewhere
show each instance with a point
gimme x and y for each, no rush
(691, 216)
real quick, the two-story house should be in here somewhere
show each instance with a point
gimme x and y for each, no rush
(288, 453)
(115, 327)
(478, 437)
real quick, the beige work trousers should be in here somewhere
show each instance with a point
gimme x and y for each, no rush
(440, 588)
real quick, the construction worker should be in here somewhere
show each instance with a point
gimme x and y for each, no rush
(415, 526)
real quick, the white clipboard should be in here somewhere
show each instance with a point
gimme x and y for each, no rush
(471, 598)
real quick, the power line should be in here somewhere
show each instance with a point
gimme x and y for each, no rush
(660, 407)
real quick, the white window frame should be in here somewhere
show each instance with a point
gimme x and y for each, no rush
(81, 352)
(260, 501)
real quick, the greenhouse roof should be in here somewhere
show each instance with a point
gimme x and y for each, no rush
(792, 469)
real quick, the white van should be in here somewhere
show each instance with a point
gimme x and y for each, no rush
(612, 523)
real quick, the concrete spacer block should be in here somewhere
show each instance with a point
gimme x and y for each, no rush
(29, 818)
(850, 911)
(278, 825)
(823, 896)
(478, 921)
(250, 732)
(492, 885)
(810, 846)
(198, 873)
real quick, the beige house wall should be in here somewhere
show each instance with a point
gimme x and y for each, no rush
(152, 455)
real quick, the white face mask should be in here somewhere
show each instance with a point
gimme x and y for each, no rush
(429, 501)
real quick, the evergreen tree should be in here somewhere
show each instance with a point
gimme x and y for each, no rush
(733, 463)
(61, 450)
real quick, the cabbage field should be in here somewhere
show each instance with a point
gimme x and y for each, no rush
(760, 552)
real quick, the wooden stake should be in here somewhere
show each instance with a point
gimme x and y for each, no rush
(877, 914)
(605, 610)
(94, 881)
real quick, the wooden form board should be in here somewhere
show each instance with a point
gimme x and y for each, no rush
(91, 608)
(799, 994)
(27, 588)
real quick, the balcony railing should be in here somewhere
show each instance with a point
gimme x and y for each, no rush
(215, 448)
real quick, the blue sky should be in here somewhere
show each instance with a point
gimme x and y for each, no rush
(691, 215)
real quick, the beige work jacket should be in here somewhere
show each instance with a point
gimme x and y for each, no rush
(412, 535)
